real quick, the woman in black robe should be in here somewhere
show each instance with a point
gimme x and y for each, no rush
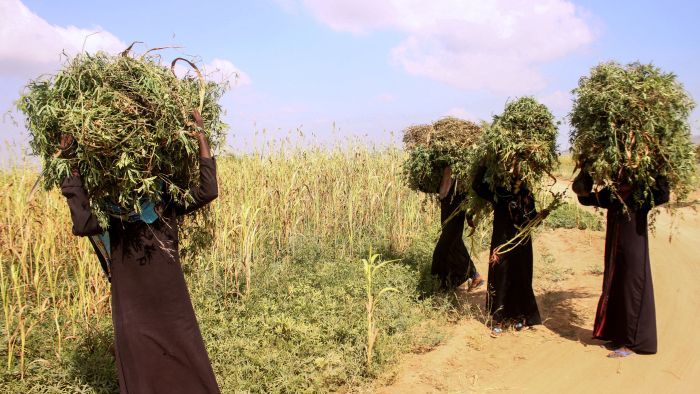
(625, 315)
(451, 261)
(509, 297)
(158, 345)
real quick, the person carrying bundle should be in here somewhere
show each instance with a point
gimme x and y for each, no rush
(451, 261)
(625, 316)
(518, 149)
(434, 151)
(509, 296)
(158, 345)
(128, 143)
(631, 140)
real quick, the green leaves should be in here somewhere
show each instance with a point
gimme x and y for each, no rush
(446, 142)
(126, 116)
(630, 125)
(520, 144)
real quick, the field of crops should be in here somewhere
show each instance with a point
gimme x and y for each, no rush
(279, 289)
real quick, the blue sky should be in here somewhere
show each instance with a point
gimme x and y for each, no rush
(363, 67)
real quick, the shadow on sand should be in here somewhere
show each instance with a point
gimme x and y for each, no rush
(561, 316)
(558, 309)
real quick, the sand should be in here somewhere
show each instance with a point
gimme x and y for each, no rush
(560, 355)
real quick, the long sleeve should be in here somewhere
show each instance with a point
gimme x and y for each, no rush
(583, 183)
(480, 187)
(582, 187)
(84, 222)
(601, 199)
(207, 190)
(660, 193)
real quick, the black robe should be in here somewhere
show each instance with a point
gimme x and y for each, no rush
(451, 260)
(158, 345)
(509, 296)
(626, 314)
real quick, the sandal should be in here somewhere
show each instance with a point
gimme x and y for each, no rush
(620, 353)
(496, 332)
(518, 326)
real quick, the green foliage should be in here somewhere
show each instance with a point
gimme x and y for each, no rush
(630, 126)
(128, 117)
(372, 266)
(423, 169)
(520, 145)
(447, 142)
(298, 221)
(569, 215)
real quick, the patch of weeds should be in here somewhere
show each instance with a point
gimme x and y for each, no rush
(548, 269)
(570, 215)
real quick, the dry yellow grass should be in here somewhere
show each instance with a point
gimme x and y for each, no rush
(52, 288)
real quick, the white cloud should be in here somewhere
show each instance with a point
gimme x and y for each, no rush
(471, 44)
(355, 16)
(217, 70)
(224, 70)
(30, 45)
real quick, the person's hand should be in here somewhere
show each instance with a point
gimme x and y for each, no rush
(66, 141)
(66, 146)
(199, 124)
(67, 150)
(197, 119)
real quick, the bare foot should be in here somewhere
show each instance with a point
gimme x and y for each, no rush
(475, 283)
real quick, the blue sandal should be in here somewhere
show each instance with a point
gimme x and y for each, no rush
(620, 353)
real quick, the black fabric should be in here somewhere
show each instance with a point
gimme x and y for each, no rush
(509, 296)
(158, 345)
(451, 260)
(626, 314)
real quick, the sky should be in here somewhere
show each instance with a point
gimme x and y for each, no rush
(337, 69)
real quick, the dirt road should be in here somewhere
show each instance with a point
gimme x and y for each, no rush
(560, 356)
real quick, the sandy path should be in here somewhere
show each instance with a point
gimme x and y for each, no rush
(560, 356)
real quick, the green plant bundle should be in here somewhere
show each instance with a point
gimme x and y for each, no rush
(518, 149)
(630, 125)
(520, 146)
(129, 118)
(447, 142)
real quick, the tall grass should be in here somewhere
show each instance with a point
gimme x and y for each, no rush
(276, 288)
(276, 284)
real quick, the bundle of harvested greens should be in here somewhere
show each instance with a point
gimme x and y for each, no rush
(520, 145)
(446, 142)
(129, 117)
(519, 149)
(630, 125)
